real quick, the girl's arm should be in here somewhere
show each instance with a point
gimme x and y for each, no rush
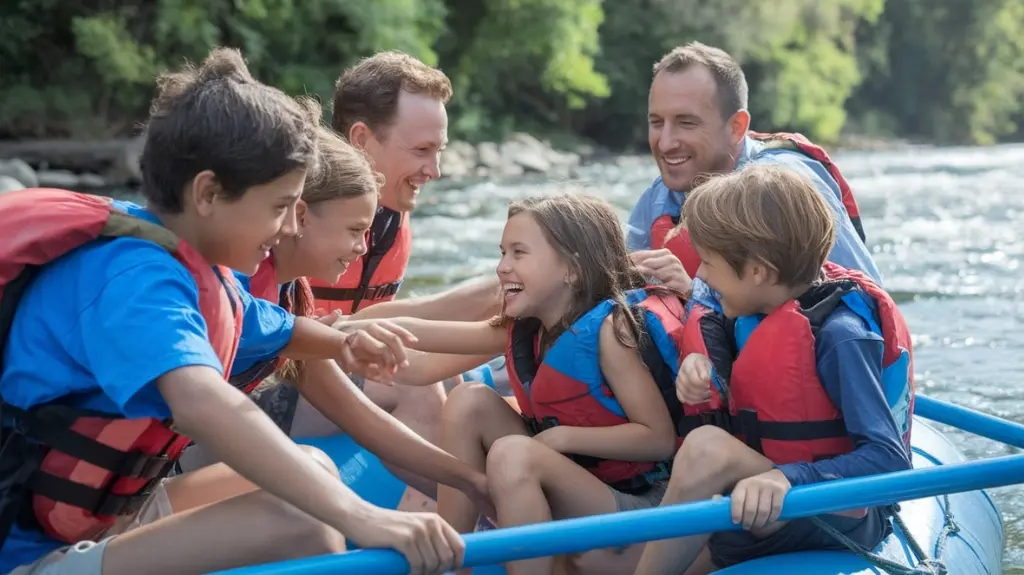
(649, 435)
(430, 368)
(456, 337)
(332, 393)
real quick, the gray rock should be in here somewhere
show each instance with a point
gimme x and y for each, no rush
(91, 181)
(58, 179)
(19, 170)
(529, 157)
(489, 156)
(9, 184)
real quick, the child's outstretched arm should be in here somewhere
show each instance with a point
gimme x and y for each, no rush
(455, 337)
(849, 365)
(238, 433)
(649, 435)
(430, 368)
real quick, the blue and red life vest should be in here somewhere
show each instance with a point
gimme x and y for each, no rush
(679, 242)
(772, 393)
(71, 472)
(568, 388)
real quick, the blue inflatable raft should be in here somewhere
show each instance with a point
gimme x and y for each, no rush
(976, 546)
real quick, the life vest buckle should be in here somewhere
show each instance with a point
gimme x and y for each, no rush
(147, 466)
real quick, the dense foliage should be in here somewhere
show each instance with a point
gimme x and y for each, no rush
(948, 71)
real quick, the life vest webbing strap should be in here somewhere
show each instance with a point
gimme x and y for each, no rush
(754, 430)
(352, 294)
(51, 426)
(97, 501)
(256, 373)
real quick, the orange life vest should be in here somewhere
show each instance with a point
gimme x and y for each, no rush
(679, 243)
(71, 472)
(376, 276)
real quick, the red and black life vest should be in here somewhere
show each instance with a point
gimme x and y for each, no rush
(568, 388)
(679, 242)
(376, 276)
(71, 472)
(774, 396)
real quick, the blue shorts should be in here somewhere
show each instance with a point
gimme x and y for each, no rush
(729, 548)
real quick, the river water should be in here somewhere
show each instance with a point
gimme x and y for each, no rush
(946, 227)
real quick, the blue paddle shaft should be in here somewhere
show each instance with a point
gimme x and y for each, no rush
(629, 527)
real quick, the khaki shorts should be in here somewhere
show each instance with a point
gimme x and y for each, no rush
(86, 557)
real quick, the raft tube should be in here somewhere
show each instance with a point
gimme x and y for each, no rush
(976, 546)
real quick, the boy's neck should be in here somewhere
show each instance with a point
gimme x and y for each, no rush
(185, 230)
(779, 294)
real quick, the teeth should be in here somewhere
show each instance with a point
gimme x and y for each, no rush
(676, 161)
(513, 287)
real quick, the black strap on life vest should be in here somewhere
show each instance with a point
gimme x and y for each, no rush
(30, 434)
(383, 233)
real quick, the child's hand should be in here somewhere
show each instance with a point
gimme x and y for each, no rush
(428, 543)
(757, 500)
(375, 350)
(664, 266)
(693, 384)
(333, 319)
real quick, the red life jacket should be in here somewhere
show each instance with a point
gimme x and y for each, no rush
(71, 472)
(568, 388)
(376, 276)
(779, 404)
(263, 284)
(679, 243)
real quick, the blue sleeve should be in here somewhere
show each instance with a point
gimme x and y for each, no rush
(849, 251)
(144, 323)
(266, 330)
(849, 359)
(638, 228)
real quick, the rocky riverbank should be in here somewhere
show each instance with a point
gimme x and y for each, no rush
(102, 166)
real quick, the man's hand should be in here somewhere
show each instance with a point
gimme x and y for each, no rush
(428, 543)
(374, 348)
(664, 266)
(757, 500)
(693, 384)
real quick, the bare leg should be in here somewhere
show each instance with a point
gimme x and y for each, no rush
(218, 482)
(531, 483)
(247, 529)
(709, 462)
(473, 419)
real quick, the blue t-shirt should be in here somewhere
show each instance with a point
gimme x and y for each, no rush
(258, 347)
(849, 360)
(849, 251)
(103, 323)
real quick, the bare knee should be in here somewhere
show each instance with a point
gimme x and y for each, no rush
(323, 459)
(512, 460)
(708, 449)
(465, 402)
